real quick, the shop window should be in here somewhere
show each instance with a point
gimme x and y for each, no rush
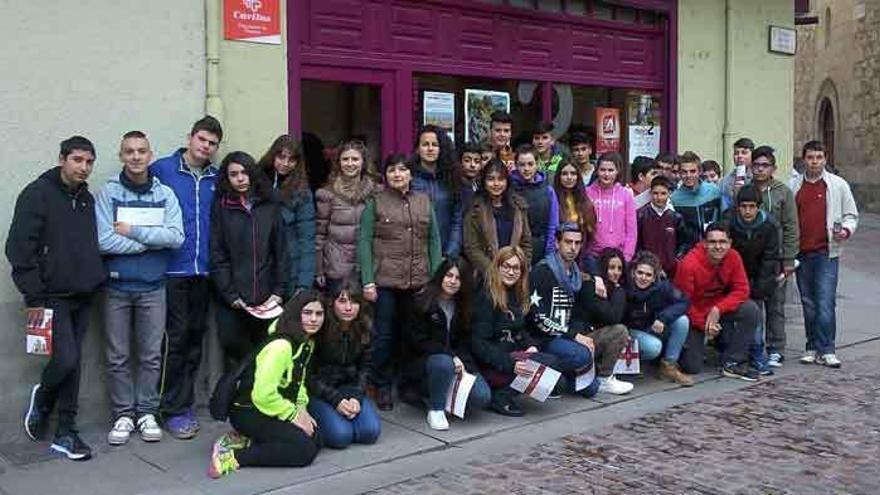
(550, 5)
(523, 4)
(602, 10)
(576, 7)
(524, 96)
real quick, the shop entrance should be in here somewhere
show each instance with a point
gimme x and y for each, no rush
(340, 105)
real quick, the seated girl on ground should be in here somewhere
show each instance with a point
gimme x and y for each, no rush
(655, 315)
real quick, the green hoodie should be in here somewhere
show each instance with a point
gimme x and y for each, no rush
(279, 387)
(778, 200)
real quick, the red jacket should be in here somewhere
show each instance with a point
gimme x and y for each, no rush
(725, 285)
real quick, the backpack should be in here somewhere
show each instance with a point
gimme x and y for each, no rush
(227, 388)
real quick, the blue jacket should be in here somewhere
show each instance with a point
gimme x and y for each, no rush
(447, 210)
(699, 207)
(137, 262)
(195, 194)
(298, 226)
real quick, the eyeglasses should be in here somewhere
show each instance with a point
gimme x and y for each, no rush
(761, 164)
(507, 267)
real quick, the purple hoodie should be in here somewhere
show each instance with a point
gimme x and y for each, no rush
(616, 224)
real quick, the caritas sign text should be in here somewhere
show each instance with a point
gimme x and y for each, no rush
(257, 21)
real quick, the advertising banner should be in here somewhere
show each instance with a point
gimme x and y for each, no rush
(607, 130)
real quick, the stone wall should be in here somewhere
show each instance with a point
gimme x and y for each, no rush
(843, 66)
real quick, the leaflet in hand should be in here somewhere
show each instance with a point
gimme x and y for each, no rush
(539, 384)
(38, 331)
(141, 216)
(583, 380)
(265, 312)
(459, 391)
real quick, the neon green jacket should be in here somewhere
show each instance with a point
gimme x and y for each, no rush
(279, 387)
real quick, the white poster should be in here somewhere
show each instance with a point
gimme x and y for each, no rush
(439, 109)
(459, 391)
(644, 140)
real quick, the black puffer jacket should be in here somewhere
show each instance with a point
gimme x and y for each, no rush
(53, 240)
(340, 365)
(497, 333)
(431, 335)
(758, 245)
(247, 250)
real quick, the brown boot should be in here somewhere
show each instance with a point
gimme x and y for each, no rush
(671, 372)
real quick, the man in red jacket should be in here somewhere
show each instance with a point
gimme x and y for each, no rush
(713, 277)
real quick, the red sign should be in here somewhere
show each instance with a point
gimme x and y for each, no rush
(607, 130)
(257, 21)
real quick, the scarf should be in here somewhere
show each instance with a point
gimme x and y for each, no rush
(136, 188)
(571, 282)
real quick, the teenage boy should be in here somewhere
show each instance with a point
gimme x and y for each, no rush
(698, 202)
(828, 217)
(52, 246)
(741, 173)
(191, 175)
(548, 156)
(661, 229)
(139, 223)
(486, 153)
(500, 131)
(755, 236)
(581, 151)
(778, 200)
(712, 276)
(471, 163)
(711, 171)
(564, 301)
(642, 172)
(668, 165)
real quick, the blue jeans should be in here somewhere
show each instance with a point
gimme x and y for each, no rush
(338, 432)
(439, 374)
(572, 359)
(817, 283)
(671, 341)
(756, 349)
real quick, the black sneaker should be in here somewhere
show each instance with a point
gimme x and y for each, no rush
(741, 371)
(72, 446)
(34, 419)
(504, 404)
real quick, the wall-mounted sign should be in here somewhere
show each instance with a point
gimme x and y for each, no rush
(257, 21)
(607, 130)
(783, 40)
(439, 109)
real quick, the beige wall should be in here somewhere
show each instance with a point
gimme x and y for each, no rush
(96, 68)
(253, 88)
(761, 82)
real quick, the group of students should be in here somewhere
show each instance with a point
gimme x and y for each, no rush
(433, 265)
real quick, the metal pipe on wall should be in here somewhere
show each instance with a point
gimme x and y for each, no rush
(729, 134)
(213, 100)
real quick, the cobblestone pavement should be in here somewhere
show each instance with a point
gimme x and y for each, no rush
(817, 432)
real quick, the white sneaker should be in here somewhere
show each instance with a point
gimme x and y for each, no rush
(829, 360)
(437, 420)
(149, 428)
(809, 357)
(121, 431)
(775, 359)
(611, 385)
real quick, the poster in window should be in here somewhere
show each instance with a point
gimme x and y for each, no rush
(644, 140)
(478, 107)
(607, 130)
(439, 109)
(256, 21)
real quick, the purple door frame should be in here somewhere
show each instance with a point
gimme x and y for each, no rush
(395, 73)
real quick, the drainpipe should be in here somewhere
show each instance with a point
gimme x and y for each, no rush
(729, 134)
(213, 102)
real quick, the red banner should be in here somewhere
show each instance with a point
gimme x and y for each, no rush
(257, 21)
(607, 130)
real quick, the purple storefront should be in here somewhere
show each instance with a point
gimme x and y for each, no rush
(361, 67)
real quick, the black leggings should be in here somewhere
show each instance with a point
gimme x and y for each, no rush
(274, 442)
